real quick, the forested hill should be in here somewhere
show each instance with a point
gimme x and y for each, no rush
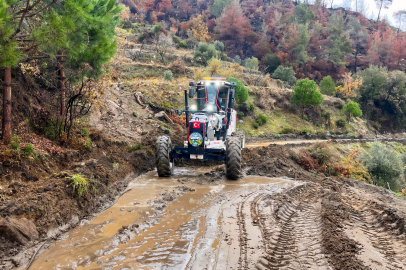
(315, 40)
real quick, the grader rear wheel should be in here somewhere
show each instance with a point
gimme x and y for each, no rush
(233, 158)
(163, 162)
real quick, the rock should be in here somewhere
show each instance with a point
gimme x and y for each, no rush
(164, 130)
(241, 121)
(20, 230)
(111, 113)
(163, 116)
(135, 114)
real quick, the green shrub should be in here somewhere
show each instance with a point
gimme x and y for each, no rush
(224, 57)
(180, 43)
(88, 144)
(288, 130)
(29, 149)
(219, 46)
(398, 147)
(237, 59)
(134, 147)
(168, 75)
(240, 115)
(285, 74)
(306, 130)
(250, 106)
(341, 123)
(271, 63)
(352, 109)
(241, 92)
(262, 119)
(327, 86)
(80, 185)
(86, 132)
(255, 125)
(15, 143)
(251, 63)
(322, 153)
(384, 165)
(204, 52)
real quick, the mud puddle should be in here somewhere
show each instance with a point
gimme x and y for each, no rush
(264, 144)
(160, 223)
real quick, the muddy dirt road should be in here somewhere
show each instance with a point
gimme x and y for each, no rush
(198, 220)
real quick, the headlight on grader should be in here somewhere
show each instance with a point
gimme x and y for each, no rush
(195, 139)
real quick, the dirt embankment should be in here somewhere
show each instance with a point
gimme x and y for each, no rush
(36, 195)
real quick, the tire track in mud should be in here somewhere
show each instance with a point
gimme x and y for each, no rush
(379, 230)
(293, 237)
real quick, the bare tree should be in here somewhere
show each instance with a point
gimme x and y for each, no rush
(361, 7)
(163, 45)
(400, 17)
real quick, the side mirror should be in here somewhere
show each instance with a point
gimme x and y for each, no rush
(178, 112)
(233, 84)
(191, 93)
(192, 84)
(232, 92)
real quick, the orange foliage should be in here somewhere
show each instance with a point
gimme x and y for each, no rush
(350, 87)
(180, 120)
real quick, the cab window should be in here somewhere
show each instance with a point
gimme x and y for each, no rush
(223, 95)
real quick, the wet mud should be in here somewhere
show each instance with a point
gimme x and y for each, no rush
(277, 217)
(166, 233)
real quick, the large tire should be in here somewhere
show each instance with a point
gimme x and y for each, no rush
(164, 165)
(233, 158)
(241, 134)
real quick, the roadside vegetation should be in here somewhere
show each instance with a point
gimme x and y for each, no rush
(381, 164)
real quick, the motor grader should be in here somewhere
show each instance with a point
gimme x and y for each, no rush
(211, 123)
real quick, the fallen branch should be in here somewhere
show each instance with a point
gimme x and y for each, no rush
(138, 99)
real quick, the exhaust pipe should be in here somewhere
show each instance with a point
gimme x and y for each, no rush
(187, 109)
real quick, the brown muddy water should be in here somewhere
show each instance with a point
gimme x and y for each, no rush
(197, 226)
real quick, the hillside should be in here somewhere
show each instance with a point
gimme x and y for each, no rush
(321, 186)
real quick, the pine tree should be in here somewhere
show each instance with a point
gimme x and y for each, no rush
(305, 94)
(218, 6)
(338, 44)
(78, 32)
(359, 38)
(382, 4)
(16, 23)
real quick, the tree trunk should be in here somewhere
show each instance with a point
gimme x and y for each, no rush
(356, 59)
(62, 79)
(380, 8)
(6, 125)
